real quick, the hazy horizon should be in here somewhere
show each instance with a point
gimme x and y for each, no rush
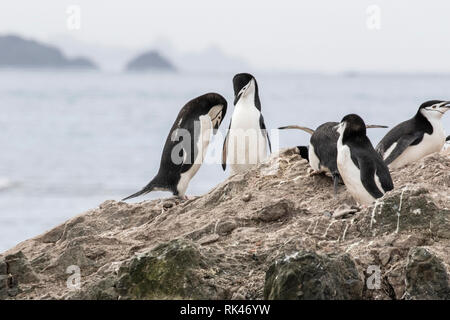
(321, 36)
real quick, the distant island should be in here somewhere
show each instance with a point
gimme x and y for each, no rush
(149, 61)
(18, 52)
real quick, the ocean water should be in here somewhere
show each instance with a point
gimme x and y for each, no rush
(71, 140)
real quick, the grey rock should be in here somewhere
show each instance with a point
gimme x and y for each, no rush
(274, 211)
(416, 212)
(426, 276)
(20, 268)
(3, 267)
(246, 197)
(225, 227)
(172, 270)
(309, 276)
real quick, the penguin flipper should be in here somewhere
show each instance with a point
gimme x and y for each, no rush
(367, 174)
(306, 129)
(262, 125)
(384, 176)
(403, 143)
(224, 149)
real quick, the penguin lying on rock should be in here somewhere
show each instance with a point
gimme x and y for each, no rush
(417, 137)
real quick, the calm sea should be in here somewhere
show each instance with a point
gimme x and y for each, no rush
(71, 140)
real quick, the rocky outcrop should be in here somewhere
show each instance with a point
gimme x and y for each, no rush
(275, 232)
(426, 276)
(309, 276)
(16, 52)
(148, 61)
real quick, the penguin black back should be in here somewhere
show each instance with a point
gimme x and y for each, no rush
(324, 140)
(180, 149)
(413, 129)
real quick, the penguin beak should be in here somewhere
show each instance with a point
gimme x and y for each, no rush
(446, 104)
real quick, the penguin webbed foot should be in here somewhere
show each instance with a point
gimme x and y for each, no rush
(336, 180)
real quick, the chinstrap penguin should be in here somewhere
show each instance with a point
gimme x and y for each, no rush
(362, 169)
(417, 137)
(322, 150)
(246, 141)
(186, 144)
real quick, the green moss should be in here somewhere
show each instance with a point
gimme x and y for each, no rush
(167, 272)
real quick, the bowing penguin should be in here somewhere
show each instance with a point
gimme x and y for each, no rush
(186, 144)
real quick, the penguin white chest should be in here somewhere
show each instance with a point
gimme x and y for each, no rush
(314, 161)
(351, 176)
(246, 142)
(429, 144)
(202, 146)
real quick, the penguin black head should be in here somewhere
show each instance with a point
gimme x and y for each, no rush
(351, 126)
(244, 85)
(212, 104)
(434, 109)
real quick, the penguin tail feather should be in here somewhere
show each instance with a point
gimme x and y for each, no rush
(310, 131)
(148, 188)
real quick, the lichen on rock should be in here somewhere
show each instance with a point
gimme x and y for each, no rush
(309, 276)
(172, 270)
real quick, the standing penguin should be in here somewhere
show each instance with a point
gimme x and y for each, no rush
(186, 144)
(246, 142)
(364, 172)
(322, 151)
(417, 137)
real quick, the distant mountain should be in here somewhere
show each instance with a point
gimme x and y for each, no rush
(109, 58)
(150, 60)
(210, 60)
(22, 53)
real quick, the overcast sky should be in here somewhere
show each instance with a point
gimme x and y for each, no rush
(414, 35)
